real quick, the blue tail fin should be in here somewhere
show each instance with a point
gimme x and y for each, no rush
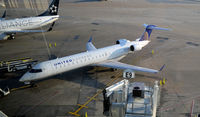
(148, 29)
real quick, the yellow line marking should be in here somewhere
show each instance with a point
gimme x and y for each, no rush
(74, 114)
(85, 114)
(82, 105)
(26, 86)
(93, 97)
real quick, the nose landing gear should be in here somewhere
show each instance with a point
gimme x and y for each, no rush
(12, 36)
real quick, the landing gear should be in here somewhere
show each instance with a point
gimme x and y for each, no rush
(1, 94)
(29, 66)
(4, 92)
(113, 69)
(12, 36)
(33, 85)
(12, 68)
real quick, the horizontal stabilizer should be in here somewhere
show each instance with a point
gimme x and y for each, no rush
(154, 27)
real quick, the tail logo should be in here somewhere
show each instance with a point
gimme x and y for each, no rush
(53, 9)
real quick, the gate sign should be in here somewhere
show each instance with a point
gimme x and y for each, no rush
(128, 73)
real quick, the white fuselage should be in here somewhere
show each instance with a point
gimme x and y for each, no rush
(26, 23)
(60, 65)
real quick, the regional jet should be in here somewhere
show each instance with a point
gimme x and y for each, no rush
(8, 28)
(105, 57)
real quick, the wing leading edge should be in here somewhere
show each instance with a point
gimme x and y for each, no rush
(119, 65)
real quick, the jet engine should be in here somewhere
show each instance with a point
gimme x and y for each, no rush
(4, 36)
(135, 47)
(122, 41)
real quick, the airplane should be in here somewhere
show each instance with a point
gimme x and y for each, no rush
(8, 28)
(105, 57)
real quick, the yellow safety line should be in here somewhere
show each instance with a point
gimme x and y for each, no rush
(93, 97)
(19, 59)
(22, 59)
(82, 105)
(26, 86)
(74, 114)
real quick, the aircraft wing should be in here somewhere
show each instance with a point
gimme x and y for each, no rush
(119, 65)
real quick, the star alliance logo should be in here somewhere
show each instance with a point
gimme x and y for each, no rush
(53, 9)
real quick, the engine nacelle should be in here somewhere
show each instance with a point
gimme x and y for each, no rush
(4, 36)
(122, 41)
(135, 47)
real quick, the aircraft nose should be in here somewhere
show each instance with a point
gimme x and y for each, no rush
(24, 78)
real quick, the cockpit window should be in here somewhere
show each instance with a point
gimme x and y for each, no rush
(35, 70)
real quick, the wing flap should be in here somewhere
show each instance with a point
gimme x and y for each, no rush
(119, 65)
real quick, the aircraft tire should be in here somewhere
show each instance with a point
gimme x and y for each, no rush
(13, 69)
(1, 94)
(29, 66)
(113, 69)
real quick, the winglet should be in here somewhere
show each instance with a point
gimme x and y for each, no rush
(90, 40)
(155, 27)
(89, 45)
(4, 15)
(51, 27)
(162, 67)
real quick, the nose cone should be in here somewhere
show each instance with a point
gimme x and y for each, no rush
(25, 77)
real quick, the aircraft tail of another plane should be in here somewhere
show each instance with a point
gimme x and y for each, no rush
(52, 9)
(148, 29)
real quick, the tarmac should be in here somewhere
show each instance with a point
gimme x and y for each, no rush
(106, 21)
